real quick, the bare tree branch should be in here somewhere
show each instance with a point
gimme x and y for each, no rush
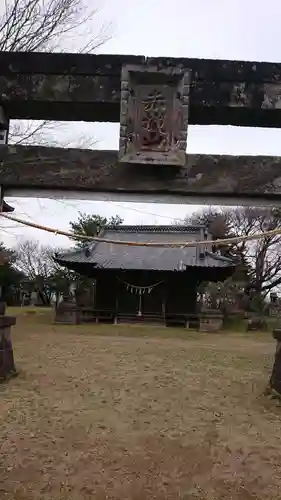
(262, 257)
(36, 263)
(39, 25)
(48, 25)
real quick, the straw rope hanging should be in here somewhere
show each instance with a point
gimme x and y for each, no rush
(139, 290)
(175, 244)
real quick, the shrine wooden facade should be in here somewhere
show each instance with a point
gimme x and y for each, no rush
(148, 283)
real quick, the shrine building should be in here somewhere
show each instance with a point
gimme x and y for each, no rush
(148, 283)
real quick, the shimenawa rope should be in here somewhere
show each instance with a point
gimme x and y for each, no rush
(180, 244)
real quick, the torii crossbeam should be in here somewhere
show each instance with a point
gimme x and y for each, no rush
(154, 99)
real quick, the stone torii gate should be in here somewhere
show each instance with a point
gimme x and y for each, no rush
(128, 89)
(154, 100)
(7, 365)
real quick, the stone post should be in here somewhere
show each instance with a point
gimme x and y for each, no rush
(66, 311)
(275, 379)
(4, 127)
(7, 364)
(210, 320)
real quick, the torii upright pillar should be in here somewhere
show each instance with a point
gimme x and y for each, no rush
(7, 364)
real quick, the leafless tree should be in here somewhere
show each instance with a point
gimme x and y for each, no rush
(48, 25)
(36, 263)
(262, 257)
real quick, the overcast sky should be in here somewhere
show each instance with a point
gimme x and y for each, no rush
(243, 30)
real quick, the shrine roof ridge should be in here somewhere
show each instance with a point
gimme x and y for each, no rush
(173, 228)
(112, 255)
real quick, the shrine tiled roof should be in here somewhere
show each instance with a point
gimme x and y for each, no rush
(114, 256)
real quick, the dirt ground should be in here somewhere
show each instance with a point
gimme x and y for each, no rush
(134, 414)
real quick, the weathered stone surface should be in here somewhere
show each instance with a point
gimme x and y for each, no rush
(275, 379)
(109, 64)
(61, 88)
(7, 364)
(66, 312)
(220, 177)
(224, 70)
(154, 117)
(210, 321)
(7, 321)
(277, 334)
(4, 123)
(256, 324)
(87, 87)
(97, 98)
(64, 63)
(61, 97)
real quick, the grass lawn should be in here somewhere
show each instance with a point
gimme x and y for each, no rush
(133, 413)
